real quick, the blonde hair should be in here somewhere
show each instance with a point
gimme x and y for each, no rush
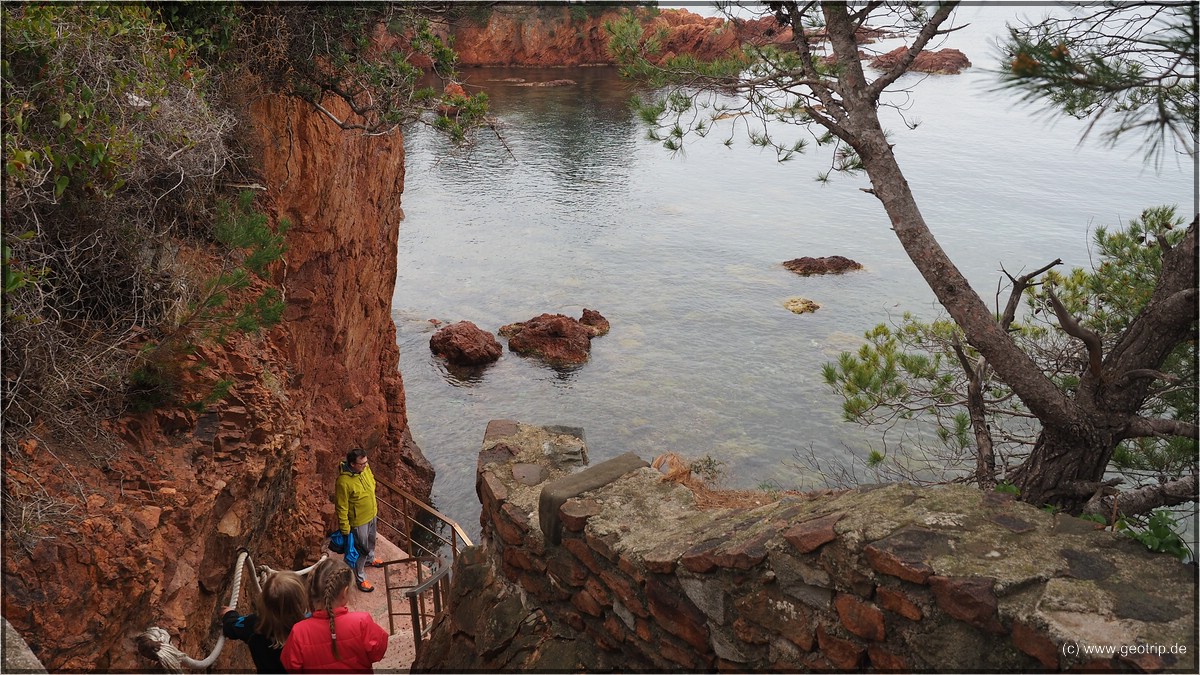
(326, 582)
(283, 602)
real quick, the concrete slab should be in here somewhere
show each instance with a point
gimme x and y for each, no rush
(18, 658)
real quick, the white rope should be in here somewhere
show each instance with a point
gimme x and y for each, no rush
(155, 642)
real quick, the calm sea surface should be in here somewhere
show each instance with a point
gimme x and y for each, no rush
(682, 254)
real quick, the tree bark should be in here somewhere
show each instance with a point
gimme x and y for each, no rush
(1146, 499)
(1065, 467)
(985, 455)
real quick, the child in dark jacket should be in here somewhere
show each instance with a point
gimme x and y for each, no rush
(283, 602)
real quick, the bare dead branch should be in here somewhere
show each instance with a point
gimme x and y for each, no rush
(1019, 284)
(1146, 499)
(1150, 373)
(1072, 327)
(1147, 427)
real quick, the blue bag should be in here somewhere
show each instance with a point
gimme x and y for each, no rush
(351, 556)
(337, 542)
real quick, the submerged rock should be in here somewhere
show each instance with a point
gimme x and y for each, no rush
(834, 264)
(465, 344)
(547, 83)
(801, 305)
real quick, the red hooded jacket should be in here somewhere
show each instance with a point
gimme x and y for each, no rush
(360, 642)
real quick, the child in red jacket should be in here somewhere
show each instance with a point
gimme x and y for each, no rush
(333, 639)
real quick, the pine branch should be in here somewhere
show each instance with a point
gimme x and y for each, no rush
(1145, 427)
(1073, 328)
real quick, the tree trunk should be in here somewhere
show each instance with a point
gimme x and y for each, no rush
(985, 454)
(1066, 467)
(1081, 428)
(858, 124)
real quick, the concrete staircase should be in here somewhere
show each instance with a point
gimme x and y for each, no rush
(401, 650)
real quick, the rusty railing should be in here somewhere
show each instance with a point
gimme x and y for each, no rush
(416, 528)
(427, 598)
(412, 522)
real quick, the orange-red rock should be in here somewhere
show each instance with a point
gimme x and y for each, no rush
(465, 344)
(941, 62)
(166, 512)
(548, 36)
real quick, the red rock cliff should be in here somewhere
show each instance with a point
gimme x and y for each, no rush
(147, 535)
(341, 192)
(546, 35)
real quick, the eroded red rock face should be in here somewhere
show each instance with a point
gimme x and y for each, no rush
(341, 193)
(546, 36)
(147, 534)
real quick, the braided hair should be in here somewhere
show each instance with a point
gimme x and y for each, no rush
(327, 582)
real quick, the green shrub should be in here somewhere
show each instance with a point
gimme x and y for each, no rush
(1158, 535)
(110, 149)
(227, 303)
(1008, 488)
(709, 468)
(75, 127)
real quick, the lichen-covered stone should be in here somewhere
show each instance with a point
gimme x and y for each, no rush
(886, 578)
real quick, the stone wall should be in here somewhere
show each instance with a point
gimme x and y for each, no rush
(888, 578)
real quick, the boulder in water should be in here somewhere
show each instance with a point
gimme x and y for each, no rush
(941, 62)
(801, 305)
(834, 264)
(465, 344)
(555, 338)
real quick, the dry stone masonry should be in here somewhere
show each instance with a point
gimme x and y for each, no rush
(628, 574)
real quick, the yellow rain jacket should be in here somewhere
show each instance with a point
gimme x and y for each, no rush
(354, 498)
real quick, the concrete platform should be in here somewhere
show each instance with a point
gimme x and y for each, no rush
(17, 657)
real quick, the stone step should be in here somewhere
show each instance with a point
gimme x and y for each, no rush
(401, 650)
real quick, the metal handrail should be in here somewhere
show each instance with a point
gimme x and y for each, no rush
(408, 512)
(428, 598)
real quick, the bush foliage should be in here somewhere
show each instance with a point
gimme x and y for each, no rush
(124, 246)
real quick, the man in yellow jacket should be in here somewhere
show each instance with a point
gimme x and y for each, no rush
(354, 501)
